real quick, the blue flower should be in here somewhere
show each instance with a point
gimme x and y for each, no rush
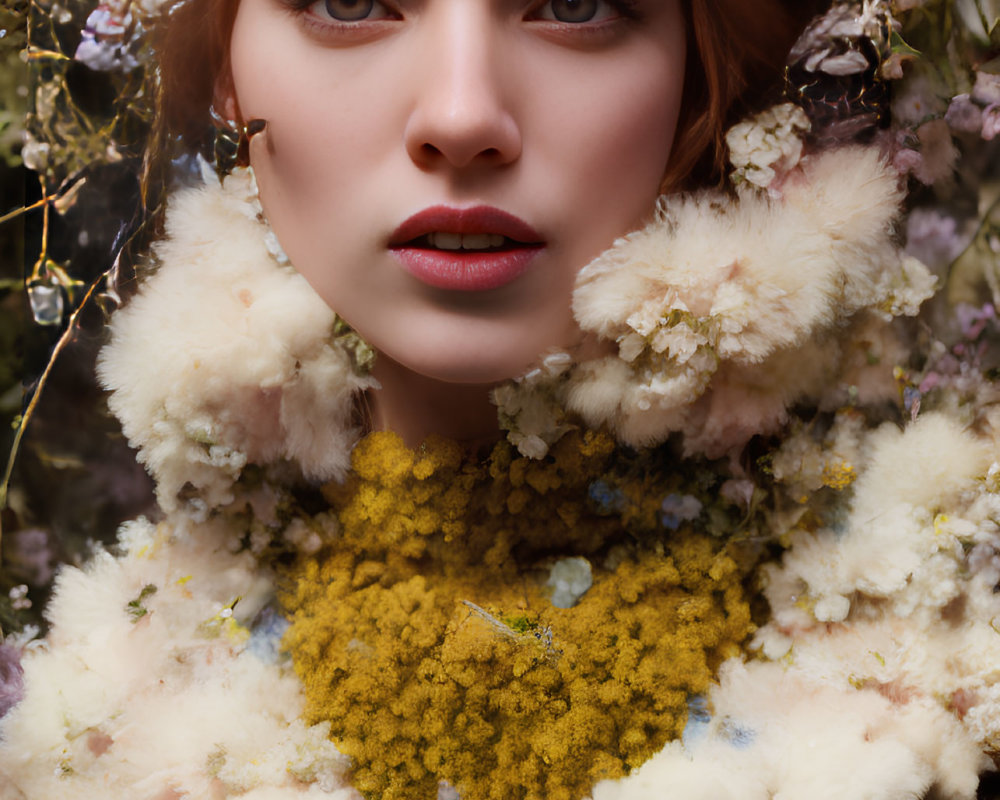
(608, 500)
(678, 508)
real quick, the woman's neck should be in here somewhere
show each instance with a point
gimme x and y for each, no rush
(415, 406)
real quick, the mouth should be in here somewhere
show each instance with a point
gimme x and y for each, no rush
(465, 249)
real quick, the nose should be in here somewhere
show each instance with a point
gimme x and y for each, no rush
(460, 115)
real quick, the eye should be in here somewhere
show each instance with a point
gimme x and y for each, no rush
(351, 10)
(576, 10)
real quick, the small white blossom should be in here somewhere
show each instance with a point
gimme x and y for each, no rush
(35, 154)
(767, 145)
(530, 409)
(569, 579)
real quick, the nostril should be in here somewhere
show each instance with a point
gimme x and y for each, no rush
(431, 152)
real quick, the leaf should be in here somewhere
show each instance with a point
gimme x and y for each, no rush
(67, 199)
(899, 45)
(135, 608)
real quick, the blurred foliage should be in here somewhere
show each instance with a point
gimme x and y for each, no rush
(947, 109)
(73, 128)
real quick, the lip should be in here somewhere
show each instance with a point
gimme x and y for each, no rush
(465, 270)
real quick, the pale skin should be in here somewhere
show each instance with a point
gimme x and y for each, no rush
(560, 114)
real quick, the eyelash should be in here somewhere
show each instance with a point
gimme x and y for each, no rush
(587, 35)
(304, 5)
(329, 29)
(628, 9)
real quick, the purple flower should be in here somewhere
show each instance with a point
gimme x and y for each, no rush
(103, 46)
(964, 115)
(972, 320)
(991, 122)
(986, 90)
(678, 508)
(11, 678)
(934, 238)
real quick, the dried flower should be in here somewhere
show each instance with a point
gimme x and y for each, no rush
(11, 678)
(767, 145)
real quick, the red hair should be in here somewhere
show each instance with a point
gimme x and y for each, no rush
(736, 57)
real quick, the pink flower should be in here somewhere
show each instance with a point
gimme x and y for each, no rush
(964, 115)
(906, 160)
(11, 678)
(936, 157)
(991, 122)
(987, 89)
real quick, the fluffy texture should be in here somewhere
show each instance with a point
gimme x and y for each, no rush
(149, 686)
(227, 357)
(778, 735)
(716, 343)
(882, 649)
(908, 578)
(877, 672)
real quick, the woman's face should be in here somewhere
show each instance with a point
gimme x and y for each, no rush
(440, 170)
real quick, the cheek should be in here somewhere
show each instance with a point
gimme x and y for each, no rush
(608, 139)
(323, 115)
(315, 167)
(637, 104)
(335, 179)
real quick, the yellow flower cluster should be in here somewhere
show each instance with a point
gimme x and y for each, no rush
(426, 635)
(839, 476)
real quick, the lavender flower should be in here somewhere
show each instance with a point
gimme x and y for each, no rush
(11, 678)
(964, 115)
(679, 508)
(103, 46)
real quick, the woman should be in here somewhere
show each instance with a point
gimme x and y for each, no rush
(469, 134)
(546, 621)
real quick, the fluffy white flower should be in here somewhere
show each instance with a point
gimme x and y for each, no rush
(723, 310)
(900, 597)
(781, 733)
(147, 689)
(226, 357)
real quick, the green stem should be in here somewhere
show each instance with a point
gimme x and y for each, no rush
(64, 340)
(19, 211)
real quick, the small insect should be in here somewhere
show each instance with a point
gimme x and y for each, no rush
(536, 634)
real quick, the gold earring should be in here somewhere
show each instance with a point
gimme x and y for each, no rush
(231, 147)
(226, 146)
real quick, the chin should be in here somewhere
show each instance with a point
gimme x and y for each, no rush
(471, 350)
(482, 365)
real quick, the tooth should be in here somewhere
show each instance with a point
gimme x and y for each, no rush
(496, 240)
(476, 241)
(447, 241)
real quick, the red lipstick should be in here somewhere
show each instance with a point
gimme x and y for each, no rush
(465, 249)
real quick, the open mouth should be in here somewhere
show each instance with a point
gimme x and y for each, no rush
(473, 249)
(487, 242)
